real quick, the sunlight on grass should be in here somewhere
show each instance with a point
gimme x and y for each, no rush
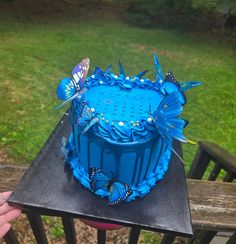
(35, 56)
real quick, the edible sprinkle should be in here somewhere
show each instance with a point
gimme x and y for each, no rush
(121, 123)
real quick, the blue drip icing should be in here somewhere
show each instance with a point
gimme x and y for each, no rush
(139, 190)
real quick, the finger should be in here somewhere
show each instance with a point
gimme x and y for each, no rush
(13, 214)
(5, 208)
(4, 196)
(4, 229)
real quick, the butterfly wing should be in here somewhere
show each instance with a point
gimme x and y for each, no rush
(84, 116)
(159, 73)
(170, 78)
(170, 106)
(98, 179)
(92, 121)
(186, 85)
(66, 149)
(108, 70)
(80, 72)
(119, 192)
(85, 120)
(166, 117)
(98, 71)
(66, 89)
(63, 146)
(172, 85)
(141, 74)
(175, 129)
(122, 71)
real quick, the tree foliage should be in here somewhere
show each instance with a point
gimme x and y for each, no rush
(206, 14)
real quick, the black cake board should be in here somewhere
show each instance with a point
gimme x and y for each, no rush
(49, 188)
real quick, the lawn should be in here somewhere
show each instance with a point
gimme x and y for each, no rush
(37, 50)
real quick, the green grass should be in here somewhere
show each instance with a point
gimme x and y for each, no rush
(36, 55)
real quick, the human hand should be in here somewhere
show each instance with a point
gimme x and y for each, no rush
(7, 213)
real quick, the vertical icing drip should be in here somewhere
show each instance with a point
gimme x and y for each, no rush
(140, 168)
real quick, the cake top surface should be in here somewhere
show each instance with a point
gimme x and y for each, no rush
(123, 108)
(119, 105)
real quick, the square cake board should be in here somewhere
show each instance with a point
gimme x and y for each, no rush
(49, 188)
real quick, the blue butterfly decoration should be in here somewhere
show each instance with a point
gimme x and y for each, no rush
(122, 71)
(86, 119)
(119, 191)
(98, 72)
(167, 122)
(159, 73)
(166, 117)
(186, 85)
(169, 84)
(69, 88)
(172, 85)
(139, 75)
(66, 149)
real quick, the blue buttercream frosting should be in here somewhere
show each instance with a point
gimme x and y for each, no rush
(138, 190)
(123, 105)
(122, 126)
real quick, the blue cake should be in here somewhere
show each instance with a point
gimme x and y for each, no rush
(122, 129)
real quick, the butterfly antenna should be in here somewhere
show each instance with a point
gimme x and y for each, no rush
(173, 150)
(168, 139)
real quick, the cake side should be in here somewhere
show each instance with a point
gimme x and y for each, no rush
(139, 167)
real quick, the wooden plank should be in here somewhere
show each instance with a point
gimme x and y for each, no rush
(229, 176)
(212, 203)
(10, 176)
(215, 172)
(219, 154)
(199, 164)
